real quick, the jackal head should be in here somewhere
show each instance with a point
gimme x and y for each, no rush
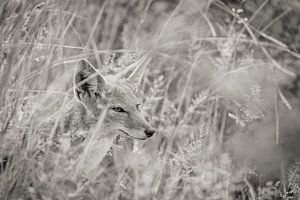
(118, 95)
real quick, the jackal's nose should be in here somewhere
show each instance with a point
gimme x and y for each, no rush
(149, 132)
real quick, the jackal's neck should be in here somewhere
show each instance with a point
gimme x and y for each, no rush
(77, 117)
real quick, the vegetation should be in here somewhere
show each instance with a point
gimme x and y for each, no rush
(220, 88)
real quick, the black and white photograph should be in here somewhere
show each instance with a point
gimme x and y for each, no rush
(149, 99)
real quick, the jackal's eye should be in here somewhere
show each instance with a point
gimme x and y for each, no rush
(118, 109)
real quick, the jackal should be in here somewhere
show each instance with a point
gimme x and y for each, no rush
(104, 107)
(108, 105)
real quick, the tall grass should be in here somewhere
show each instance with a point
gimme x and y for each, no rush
(211, 90)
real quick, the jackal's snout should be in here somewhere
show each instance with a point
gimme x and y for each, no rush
(149, 132)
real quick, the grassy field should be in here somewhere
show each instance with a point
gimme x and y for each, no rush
(219, 91)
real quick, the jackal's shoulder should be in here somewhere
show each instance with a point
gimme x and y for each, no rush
(46, 119)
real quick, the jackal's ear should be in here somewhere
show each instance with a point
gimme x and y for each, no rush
(88, 82)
